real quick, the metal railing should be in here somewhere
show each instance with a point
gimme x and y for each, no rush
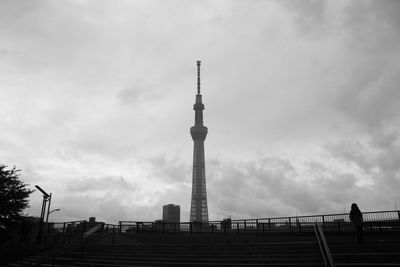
(323, 245)
(65, 235)
(58, 238)
(55, 233)
(378, 221)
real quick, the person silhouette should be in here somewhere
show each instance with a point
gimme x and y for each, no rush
(356, 218)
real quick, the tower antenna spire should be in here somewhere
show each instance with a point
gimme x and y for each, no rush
(198, 76)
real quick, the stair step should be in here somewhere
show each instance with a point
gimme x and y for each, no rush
(200, 259)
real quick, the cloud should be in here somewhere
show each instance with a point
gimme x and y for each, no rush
(140, 93)
(375, 156)
(136, 188)
(352, 151)
(301, 104)
(275, 187)
(6, 52)
(172, 171)
(310, 17)
(103, 208)
(378, 173)
(104, 184)
(263, 188)
(366, 19)
(370, 98)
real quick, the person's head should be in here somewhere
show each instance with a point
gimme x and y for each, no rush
(354, 207)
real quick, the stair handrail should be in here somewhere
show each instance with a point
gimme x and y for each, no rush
(91, 230)
(323, 245)
(320, 246)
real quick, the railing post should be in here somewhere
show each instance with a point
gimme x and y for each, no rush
(54, 253)
(269, 225)
(257, 226)
(224, 227)
(113, 235)
(212, 228)
(244, 226)
(64, 234)
(137, 227)
(263, 228)
(191, 227)
(82, 232)
(120, 226)
(237, 228)
(323, 220)
(290, 225)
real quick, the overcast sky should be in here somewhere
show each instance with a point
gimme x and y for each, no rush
(302, 104)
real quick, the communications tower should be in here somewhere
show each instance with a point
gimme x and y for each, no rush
(198, 208)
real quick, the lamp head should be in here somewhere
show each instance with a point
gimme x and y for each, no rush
(43, 192)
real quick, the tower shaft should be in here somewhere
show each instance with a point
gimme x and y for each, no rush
(198, 207)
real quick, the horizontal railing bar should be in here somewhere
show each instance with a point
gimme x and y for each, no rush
(369, 216)
(310, 216)
(69, 222)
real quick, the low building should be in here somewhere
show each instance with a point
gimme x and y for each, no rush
(172, 213)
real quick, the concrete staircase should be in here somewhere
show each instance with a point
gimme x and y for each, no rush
(272, 249)
(186, 250)
(378, 249)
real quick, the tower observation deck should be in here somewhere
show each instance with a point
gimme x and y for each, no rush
(198, 208)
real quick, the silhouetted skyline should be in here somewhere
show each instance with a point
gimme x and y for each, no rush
(302, 99)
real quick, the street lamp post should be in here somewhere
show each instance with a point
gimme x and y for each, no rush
(48, 209)
(46, 197)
